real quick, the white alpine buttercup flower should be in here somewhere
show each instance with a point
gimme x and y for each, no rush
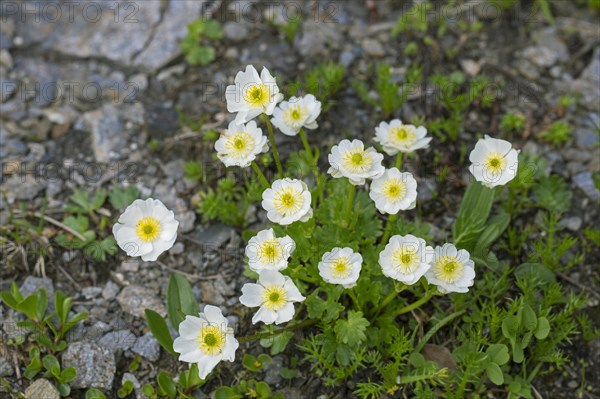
(267, 252)
(494, 162)
(351, 160)
(397, 137)
(275, 294)
(341, 266)
(240, 144)
(394, 191)
(252, 95)
(206, 340)
(405, 258)
(146, 228)
(287, 201)
(299, 112)
(451, 270)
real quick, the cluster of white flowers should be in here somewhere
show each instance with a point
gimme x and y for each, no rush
(147, 228)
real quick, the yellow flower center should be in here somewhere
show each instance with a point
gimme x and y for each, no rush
(270, 251)
(294, 115)
(357, 161)
(403, 135)
(211, 340)
(288, 201)
(394, 190)
(406, 259)
(240, 144)
(495, 162)
(147, 229)
(274, 297)
(257, 96)
(448, 269)
(340, 267)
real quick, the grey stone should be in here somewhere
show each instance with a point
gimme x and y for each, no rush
(24, 188)
(147, 346)
(130, 265)
(135, 299)
(347, 58)
(186, 221)
(118, 340)
(540, 56)
(586, 138)
(585, 183)
(41, 389)
(214, 236)
(91, 292)
(6, 369)
(137, 386)
(572, 223)
(549, 38)
(110, 291)
(32, 284)
(588, 84)
(164, 46)
(527, 69)
(107, 132)
(235, 31)
(95, 365)
(6, 59)
(174, 169)
(8, 87)
(316, 38)
(373, 48)
(272, 371)
(295, 393)
(177, 249)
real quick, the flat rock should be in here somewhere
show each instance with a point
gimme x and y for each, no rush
(6, 369)
(32, 284)
(147, 346)
(135, 299)
(584, 181)
(118, 340)
(95, 365)
(41, 389)
(214, 236)
(588, 84)
(373, 48)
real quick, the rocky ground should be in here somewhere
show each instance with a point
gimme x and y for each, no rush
(82, 103)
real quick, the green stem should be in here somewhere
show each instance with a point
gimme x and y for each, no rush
(436, 328)
(386, 301)
(350, 203)
(399, 160)
(414, 305)
(263, 335)
(307, 146)
(388, 228)
(260, 175)
(266, 119)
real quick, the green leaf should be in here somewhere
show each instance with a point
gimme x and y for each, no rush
(510, 326)
(42, 303)
(212, 29)
(472, 215)
(535, 270)
(277, 343)
(498, 353)
(166, 383)
(263, 390)
(52, 365)
(119, 197)
(68, 374)
(518, 355)
(180, 300)
(63, 389)
(28, 306)
(495, 373)
(201, 55)
(226, 393)
(495, 227)
(159, 329)
(351, 331)
(94, 393)
(553, 193)
(543, 328)
(528, 318)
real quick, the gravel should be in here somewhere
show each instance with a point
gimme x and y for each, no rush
(95, 365)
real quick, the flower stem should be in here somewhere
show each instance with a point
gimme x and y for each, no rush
(263, 335)
(388, 228)
(307, 146)
(414, 305)
(350, 203)
(399, 160)
(266, 119)
(386, 301)
(260, 175)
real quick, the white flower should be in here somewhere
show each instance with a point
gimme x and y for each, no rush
(341, 266)
(394, 191)
(240, 144)
(290, 116)
(494, 162)
(451, 269)
(351, 160)
(252, 95)
(267, 252)
(397, 137)
(287, 201)
(206, 340)
(146, 229)
(405, 258)
(275, 294)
